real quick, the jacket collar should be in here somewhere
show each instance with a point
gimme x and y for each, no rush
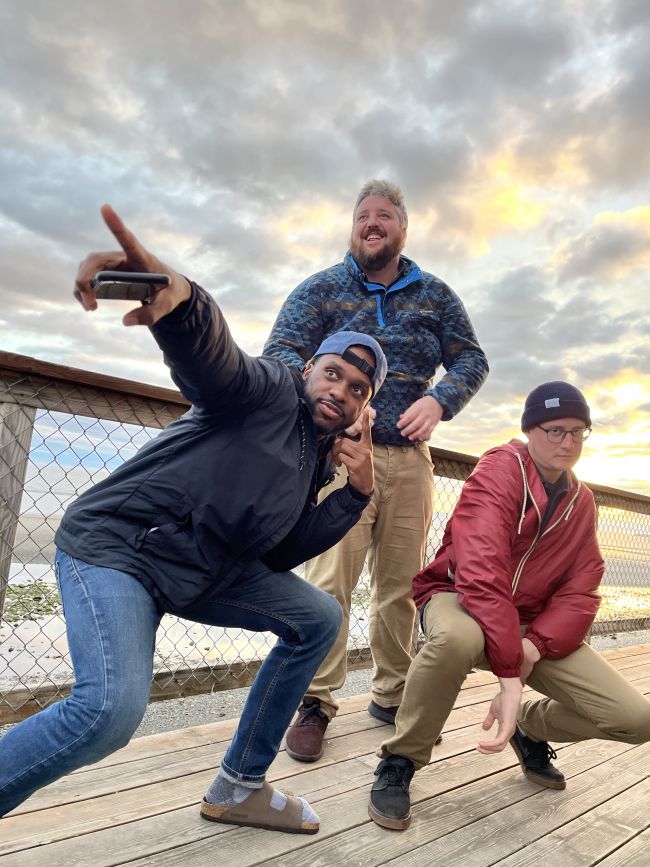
(534, 485)
(409, 273)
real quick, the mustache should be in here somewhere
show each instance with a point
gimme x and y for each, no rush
(333, 403)
(374, 230)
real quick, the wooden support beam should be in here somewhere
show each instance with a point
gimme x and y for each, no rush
(16, 427)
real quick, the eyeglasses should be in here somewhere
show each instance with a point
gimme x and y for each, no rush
(556, 434)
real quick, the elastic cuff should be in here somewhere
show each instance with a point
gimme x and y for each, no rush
(180, 313)
(538, 642)
(507, 672)
(358, 495)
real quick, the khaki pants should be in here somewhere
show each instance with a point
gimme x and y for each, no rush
(393, 531)
(586, 696)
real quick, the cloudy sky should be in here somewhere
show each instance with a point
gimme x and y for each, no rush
(233, 138)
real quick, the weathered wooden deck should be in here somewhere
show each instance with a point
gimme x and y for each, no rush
(140, 805)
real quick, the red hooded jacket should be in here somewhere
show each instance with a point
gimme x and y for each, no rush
(506, 573)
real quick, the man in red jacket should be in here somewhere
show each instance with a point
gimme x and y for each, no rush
(514, 588)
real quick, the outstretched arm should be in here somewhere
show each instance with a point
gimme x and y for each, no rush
(206, 364)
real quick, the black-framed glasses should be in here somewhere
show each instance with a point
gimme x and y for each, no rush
(556, 434)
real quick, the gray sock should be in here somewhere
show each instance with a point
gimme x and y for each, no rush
(225, 790)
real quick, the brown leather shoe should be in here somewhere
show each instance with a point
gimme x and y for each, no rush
(304, 738)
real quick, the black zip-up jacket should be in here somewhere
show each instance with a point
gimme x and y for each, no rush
(232, 481)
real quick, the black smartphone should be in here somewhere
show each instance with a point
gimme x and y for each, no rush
(128, 285)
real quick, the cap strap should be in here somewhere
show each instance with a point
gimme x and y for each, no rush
(360, 363)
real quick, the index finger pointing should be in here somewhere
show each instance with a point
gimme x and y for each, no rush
(134, 250)
(366, 438)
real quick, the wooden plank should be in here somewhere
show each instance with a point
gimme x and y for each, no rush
(347, 835)
(357, 733)
(632, 854)
(25, 365)
(137, 764)
(119, 803)
(96, 814)
(631, 650)
(82, 803)
(591, 837)
(186, 682)
(16, 426)
(198, 736)
(348, 734)
(344, 785)
(438, 809)
(520, 824)
(162, 831)
(84, 400)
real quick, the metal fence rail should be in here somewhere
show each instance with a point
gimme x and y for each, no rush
(62, 430)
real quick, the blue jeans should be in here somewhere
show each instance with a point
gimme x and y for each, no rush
(111, 622)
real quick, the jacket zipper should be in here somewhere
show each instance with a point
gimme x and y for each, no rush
(538, 536)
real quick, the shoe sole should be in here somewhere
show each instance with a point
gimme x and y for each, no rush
(388, 822)
(300, 758)
(558, 785)
(304, 828)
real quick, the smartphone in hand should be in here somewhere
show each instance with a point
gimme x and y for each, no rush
(128, 285)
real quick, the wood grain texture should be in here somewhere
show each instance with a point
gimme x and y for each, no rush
(140, 806)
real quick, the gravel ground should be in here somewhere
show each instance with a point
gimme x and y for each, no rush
(164, 716)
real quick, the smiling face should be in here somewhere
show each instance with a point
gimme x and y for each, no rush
(377, 235)
(552, 459)
(336, 391)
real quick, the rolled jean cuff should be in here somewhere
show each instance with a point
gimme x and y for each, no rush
(250, 780)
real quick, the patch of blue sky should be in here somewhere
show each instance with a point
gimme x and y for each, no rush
(70, 453)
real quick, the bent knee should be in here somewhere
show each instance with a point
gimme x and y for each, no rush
(332, 614)
(110, 725)
(466, 645)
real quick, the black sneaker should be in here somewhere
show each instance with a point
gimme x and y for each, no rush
(390, 805)
(385, 714)
(535, 760)
(388, 714)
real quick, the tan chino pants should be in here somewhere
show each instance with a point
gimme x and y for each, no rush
(586, 696)
(392, 531)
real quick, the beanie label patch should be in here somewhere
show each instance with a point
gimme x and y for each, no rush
(552, 401)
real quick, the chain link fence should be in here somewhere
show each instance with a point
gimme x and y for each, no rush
(63, 430)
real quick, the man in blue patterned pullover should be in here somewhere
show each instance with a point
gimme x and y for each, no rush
(420, 323)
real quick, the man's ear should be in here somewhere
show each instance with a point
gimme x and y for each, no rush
(308, 369)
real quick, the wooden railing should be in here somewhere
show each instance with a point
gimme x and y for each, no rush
(46, 412)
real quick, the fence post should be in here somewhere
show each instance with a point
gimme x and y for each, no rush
(16, 426)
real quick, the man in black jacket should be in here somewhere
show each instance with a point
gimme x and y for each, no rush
(205, 522)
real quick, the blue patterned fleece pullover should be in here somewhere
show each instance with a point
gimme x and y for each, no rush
(418, 320)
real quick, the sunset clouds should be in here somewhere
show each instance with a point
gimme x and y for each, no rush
(234, 136)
